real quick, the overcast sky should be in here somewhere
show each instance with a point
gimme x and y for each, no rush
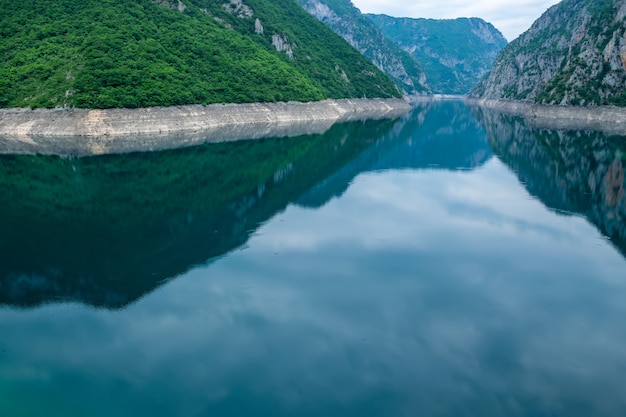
(510, 17)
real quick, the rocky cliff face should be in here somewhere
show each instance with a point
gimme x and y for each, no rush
(455, 54)
(348, 22)
(575, 53)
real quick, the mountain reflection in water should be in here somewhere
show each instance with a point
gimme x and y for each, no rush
(106, 230)
(571, 172)
(390, 268)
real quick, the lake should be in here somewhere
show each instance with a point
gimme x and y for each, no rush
(454, 262)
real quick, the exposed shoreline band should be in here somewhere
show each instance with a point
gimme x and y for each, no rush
(608, 119)
(91, 132)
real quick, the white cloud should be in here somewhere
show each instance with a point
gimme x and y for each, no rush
(511, 18)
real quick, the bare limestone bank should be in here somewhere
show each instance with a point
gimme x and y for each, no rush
(608, 119)
(82, 132)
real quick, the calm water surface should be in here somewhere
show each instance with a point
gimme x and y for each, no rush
(450, 263)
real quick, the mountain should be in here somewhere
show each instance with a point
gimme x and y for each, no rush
(455, 54)
(142, 53)
(348, 22)
(575, 53)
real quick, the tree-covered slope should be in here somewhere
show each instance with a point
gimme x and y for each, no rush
(455, 53)
(348, 22)
(575, 53)
(141, 53)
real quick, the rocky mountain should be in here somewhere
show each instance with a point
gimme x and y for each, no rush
(575, 53)
(142, 53)
(455, 54)
(347, 21)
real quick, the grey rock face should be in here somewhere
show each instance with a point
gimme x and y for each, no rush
(575, 54)
(258, 27)
(348, 22)
(237, 7)
(281, 45)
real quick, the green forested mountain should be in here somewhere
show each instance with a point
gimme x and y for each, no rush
(141, 53)
(348, 21)
(575, 53)
(455, 53)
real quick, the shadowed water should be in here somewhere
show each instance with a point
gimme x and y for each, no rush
(449, 263)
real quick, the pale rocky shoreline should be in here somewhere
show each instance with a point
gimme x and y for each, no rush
(608, 119)
(91, 132)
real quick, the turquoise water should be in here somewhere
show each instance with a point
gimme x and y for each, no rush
(450, 263)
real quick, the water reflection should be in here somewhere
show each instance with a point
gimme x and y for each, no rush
(439, 135)
(440, 290)
(106, 230)
(570, 171)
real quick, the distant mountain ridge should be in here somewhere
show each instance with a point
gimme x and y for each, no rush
(347, 21)
(145, 53)
(455, 54)
(574, 54)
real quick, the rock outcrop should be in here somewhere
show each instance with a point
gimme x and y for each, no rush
(574, 54)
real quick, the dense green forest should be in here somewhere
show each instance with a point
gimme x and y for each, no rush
(142, 53)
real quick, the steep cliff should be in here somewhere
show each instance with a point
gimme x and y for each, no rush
(348, 22)
(144, 53)
(455, 54)
(575, 53)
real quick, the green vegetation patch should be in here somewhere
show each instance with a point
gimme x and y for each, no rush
(142, 53)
